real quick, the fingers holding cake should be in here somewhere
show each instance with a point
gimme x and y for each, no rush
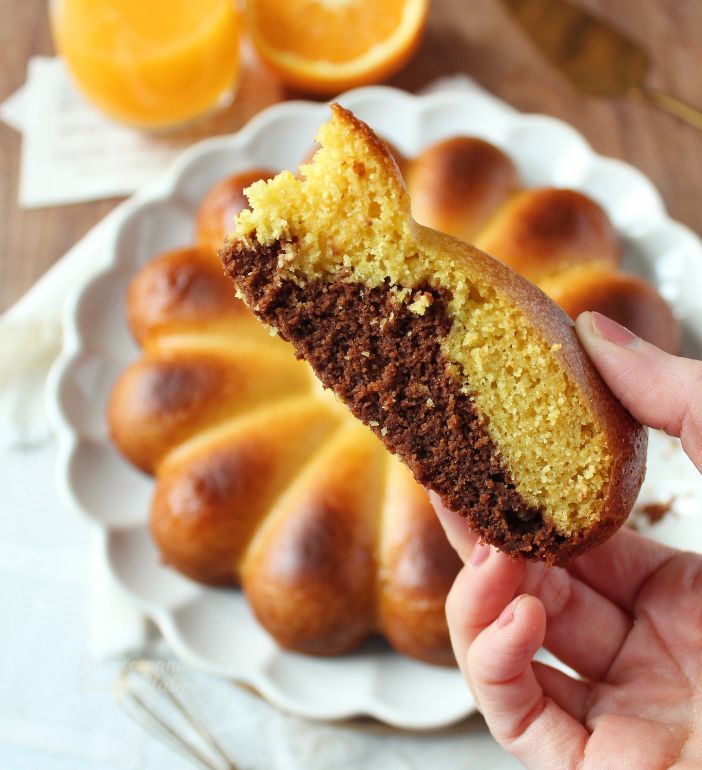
(482, 589)
(462, 539)
(489, 581)
(523, 718)
(660, 390)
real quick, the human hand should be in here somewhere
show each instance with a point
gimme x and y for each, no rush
(626, 616)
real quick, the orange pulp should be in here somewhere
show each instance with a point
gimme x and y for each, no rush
(150, 63)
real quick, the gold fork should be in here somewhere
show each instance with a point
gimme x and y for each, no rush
(596, 58)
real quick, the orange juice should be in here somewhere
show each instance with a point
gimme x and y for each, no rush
(150, 63)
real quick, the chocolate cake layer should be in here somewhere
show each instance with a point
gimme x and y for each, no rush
(385, 363)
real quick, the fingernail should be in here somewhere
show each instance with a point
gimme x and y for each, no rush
(612, 331)
(479, 554)
(507, 614)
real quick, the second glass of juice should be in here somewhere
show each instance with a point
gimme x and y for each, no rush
(151, 63)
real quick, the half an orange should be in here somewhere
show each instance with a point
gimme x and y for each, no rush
(328, 46)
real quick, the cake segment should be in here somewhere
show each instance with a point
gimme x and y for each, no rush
(466, 371)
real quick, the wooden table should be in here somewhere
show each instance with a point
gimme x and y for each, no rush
(472, 36)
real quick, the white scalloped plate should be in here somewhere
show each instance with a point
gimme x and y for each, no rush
(214, 629)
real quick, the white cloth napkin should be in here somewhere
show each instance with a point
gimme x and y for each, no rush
(56, 707)
(71, 152)
(30, 339)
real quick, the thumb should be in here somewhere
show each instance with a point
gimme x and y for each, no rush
(660, 390)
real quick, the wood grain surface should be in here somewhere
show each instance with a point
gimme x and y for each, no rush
(473, 36)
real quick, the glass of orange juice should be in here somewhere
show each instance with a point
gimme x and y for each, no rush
(154, 64)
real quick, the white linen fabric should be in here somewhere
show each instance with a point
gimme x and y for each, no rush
(56, 707)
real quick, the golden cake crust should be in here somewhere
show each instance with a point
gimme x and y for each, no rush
(538, 232)
(625, 438)
(221, 204)
(458, 185)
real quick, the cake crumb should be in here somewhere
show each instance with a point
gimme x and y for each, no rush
(400, 294)
(654, 512)
(421, 301)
